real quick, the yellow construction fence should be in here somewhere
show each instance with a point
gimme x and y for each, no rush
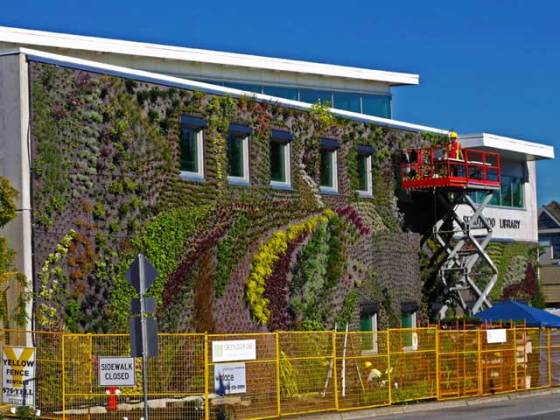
(266, 375)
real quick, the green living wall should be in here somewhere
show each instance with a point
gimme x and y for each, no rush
(106, 186)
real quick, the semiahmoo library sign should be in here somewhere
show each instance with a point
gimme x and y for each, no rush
(502, 223)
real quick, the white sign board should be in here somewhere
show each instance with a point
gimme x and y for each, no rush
(496, 336)
(229, 378)
(230, 351)
(18, 375)
(117, 371)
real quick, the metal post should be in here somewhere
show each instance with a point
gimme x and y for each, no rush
(90, 374)
(389, 379)
(206, 378)
(144, 336)
(335, 379)
(438, 394)
(515, 356)
(549, 358)
(479, 357)
(63, 378)
(278, 407)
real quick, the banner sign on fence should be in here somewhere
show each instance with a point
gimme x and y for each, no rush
(229, 378)
(229, 351)
(18, 375)
(117, 371)
(496, 336)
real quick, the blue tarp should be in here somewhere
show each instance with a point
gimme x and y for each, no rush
(516, 311)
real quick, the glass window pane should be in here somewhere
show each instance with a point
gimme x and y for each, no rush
(496, 199)
(347, 101)
(277, 164)
(281, 92)
(235, 156)
(517, 193)
(377, 105)
(363, 173)
(244, 86)
(506, 191)
(366, 325)
(312, 96)
(189, 158)
(326, 168)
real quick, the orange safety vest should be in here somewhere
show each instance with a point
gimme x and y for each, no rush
(454, 150)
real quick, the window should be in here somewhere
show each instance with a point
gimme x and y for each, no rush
(348, 101)
(238, 154)
(509, 195)
(365, 182)
(312, 96)
(379, 105)
(191, 159)
(244, 86)
(368, 323)
(410, 339)
(328, 166)
(281, 92)
(280, 175)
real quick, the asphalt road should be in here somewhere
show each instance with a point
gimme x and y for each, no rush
(533, 408)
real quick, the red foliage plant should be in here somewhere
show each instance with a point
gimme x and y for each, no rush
(277, 289)
(351, 214)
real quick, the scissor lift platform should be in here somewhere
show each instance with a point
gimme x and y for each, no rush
(451, 178)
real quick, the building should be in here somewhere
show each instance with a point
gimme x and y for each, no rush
(260, 210)
(348, 88)
(549, 240)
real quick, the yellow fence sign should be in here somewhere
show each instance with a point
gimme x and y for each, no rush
(18, 375)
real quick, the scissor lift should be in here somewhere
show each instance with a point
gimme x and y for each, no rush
(451, 180)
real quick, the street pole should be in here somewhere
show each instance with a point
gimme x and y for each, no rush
(141, 274)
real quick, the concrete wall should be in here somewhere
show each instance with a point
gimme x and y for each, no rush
(15, 158)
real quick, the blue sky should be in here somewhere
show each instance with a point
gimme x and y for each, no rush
(489, 65)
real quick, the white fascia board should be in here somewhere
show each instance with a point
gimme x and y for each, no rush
(544, 209)
(521, 149)
(24, 37)
(172, 81)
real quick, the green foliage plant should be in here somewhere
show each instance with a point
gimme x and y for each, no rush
(8, 197)
(229, 252)
(265, 258)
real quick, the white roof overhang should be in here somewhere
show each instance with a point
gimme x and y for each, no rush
(32, 38)
(513, 149)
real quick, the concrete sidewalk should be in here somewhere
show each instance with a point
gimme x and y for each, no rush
(427, 406)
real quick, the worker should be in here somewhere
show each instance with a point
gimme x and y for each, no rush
(454, 150)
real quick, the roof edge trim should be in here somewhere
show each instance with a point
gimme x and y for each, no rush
(31, 37)
(172, 81)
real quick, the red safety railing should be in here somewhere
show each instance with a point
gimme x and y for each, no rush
(432, 168)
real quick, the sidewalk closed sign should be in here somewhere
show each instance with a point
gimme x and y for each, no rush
(229, 351)
(117, 371)
(18, 375)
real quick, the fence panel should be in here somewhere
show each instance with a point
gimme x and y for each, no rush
(497, 364)
(307, 372)
(412, 364)
(531, 358)
(459, 363)
(259, 399)
(363, 370)
(175, 378)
